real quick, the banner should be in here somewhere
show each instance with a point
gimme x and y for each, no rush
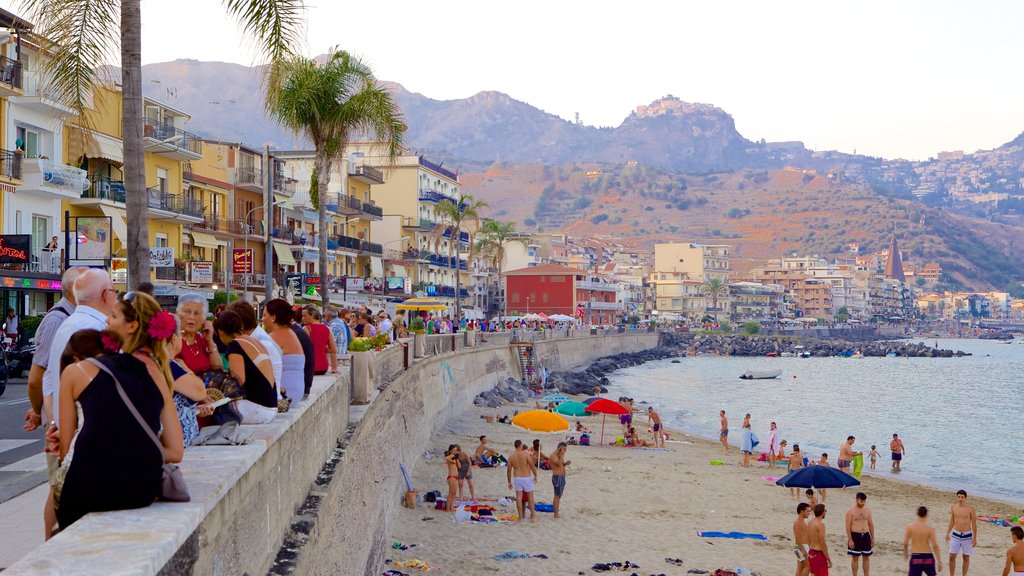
(202, 272)
(119, 270)
(15, 248)
(93, 237)
(162, 257)
(353, 284)
(241, 260)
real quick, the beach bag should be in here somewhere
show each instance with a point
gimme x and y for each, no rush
(172, 482)
(226, 383)
(584, 440)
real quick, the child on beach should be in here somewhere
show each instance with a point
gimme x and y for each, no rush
(873, 455)
(809, 493)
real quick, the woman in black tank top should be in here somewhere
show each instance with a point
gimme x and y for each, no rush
(249, 362)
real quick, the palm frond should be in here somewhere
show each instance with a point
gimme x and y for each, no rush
(276, 27)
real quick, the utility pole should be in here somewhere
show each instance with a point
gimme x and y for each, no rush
(268, 248)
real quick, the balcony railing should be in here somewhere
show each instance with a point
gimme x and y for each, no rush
(10, 164)
(428, 224)
(11, 72)
(104, 188)
(283, 234)
(229, 226)
(369, 172)
(284, 184)
(347, 242)
(249, 176)
(173, 203)
(587, 285)
(170, 273)
(373, 248)
(430, 195)
(437, 168)
(169, 134)
(372, 209)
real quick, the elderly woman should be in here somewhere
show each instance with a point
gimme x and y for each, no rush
(325, 351)
(198, 350)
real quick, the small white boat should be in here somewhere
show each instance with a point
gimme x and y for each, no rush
(760, 374)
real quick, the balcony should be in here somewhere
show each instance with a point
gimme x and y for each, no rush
(103, 188)
(429, 195)
(347, 243)
(463, 236)
(40, 98)
(249, 178)
(48, 261)
(229, 226)
(284, 184)
(372, 248)
(437, 168)
(600, 286)
(605, 306)
(166, 206)
(282, 234)
(171, 142)
(10, 165)
(11, 77)
(366, 174)
(52, 180)
(172, 274)
(371, 209)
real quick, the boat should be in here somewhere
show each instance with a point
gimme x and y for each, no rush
(799, 350)
(760, 374)
(771, 355)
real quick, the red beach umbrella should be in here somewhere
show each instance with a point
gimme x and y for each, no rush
(605, 407)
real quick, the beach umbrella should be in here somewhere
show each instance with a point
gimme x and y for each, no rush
(540, 421)
(556, 397)
(422, 304)
(818, 477)
(591, 400)
(605, 407)
(575, 409)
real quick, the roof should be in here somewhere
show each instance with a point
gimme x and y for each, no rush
(545, 269)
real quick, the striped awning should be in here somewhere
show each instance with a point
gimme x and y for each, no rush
(203, 240)
(117, 222)
(284, 255)
(399, 271)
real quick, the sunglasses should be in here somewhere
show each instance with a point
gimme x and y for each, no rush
(126, 296)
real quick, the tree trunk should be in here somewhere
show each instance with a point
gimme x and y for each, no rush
(458, 277)
(322, 165)
(136, 197)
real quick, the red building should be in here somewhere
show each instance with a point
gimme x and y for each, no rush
(557, 289)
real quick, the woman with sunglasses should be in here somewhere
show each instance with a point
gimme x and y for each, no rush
(116, 465)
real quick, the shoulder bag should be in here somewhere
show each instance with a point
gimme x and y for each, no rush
(172, 482)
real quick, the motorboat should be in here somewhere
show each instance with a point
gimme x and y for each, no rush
(760, 374)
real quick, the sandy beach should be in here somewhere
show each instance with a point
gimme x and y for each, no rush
(647, 505)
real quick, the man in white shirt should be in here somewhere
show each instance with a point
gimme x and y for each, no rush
(12, 326)
(386, 326)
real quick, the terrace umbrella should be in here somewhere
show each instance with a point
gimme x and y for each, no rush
(540, 421)
(574, 409)
(605, 407)
(422, 304)
(818, 477)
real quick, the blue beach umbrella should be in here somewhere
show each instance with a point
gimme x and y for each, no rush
(818, 477)
(591, 399)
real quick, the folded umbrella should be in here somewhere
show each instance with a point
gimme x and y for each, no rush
(818, 477)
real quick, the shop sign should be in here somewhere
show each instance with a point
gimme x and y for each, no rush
(396, 284)
(15, 248)
(354, 284)
(11, 283)
(241, 260)
(202, 272)
(119, 270)
(312, 280)
(93, 238)
(162, 257)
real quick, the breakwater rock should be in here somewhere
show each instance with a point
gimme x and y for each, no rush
(995, 336)
(736, 345)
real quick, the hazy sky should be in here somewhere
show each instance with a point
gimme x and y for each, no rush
(895, 79)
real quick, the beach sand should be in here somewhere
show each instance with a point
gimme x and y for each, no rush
(647, 505)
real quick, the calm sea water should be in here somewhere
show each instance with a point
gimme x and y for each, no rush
(961, 419)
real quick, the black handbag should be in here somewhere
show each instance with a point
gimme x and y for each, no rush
(172, 482)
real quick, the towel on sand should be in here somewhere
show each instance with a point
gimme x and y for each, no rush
(732, 535)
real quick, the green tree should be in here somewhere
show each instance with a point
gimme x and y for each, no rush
(328, 102)
(82, 35)
(842, 315)
(714, 289)
(492, 239)
(452, 217)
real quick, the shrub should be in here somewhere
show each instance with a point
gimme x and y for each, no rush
(599, 218)
(751, 327)
(360, 345)
(416, 326)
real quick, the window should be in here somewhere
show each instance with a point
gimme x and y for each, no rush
(544, 297)
(161, 180)
(161, 240)
(215, 204)
(30, 141)
(515, 298)
(40, 226)
(17, 221)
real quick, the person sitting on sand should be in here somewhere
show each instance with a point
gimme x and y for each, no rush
(635, 441)
(781, 456)
(484, 455)
(451, 459)
(581, 428)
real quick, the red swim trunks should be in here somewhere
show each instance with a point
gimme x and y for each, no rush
(818, 563)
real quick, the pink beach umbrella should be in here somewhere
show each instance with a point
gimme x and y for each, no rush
(605, 407)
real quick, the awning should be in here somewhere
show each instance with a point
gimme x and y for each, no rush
(283, 201)
(204, 240)
(117, 222)
(399, 271)
(284, 255)
(106, 148)
(376, 267)
(311, 215)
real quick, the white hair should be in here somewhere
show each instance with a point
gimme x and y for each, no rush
(90, 285)
(71, 275)
(191, 298)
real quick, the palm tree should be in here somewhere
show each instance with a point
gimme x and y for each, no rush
(491, 242)
(328, 103)
(452, 216)
(83, 35)
(715, 288)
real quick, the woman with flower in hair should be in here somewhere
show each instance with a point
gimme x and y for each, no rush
(116, 465)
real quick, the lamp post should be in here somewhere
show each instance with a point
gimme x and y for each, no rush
(248, 230)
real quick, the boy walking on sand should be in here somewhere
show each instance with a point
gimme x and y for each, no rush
(521, 465)
(817, 557)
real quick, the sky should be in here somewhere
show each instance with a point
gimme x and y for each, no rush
(902, 79)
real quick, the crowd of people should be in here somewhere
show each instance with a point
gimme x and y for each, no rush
(124, 386)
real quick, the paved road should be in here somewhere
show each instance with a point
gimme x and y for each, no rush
(22, 464)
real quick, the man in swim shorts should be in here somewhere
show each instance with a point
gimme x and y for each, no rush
(1015, 555)
(521, 465)
(846, 454)
(897, 449)
(921, 547)
(818, 558)
(723, 434)
(962, 532)
(654, 419)
(800, 547)
(558, 464)
(860, 534)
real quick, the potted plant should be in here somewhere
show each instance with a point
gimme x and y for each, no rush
(419, 334)
(361, 385)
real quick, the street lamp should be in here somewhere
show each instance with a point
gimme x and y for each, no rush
(248, 230)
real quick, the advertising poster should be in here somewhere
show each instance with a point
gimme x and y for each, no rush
(93, 238)
(202, 272)
(241, 260)
(353, 284)
(119, 270)
(161, 257)
(396, 284)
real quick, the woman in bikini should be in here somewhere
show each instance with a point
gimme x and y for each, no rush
(451, 458)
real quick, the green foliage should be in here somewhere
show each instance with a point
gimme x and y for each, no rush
(416, 326)
(361, 345)
(221, 297)
(29, 325)
(724, 327)
(751, 327)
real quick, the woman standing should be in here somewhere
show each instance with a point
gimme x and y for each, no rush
(277, 321)
(748, 443)
(116, 464)
(250, 364)
(325, 351)
(198, 350)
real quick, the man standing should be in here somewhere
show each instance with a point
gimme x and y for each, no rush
(923, 550)
(897, 449)
(525, 472)
(1015, 555)
(723, 433)
(385, 326)
(558, 464)
(655, 421)
(796, 462)
(846, 454)
(12, 326)
(803, 510)
(818, 559)
(41, 400)
(963, 524)
(339, 329)
(860, 534)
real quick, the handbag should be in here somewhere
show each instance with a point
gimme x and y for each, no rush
(226, 383)
(172, 482)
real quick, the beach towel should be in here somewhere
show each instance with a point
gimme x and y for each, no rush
(717, 463)
(774, 441)
(747, 440)
(858, 465)
(413, 563)
(732, 535)
(513, 555)
(544, 507)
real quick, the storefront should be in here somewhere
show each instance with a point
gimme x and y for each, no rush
(28, 293)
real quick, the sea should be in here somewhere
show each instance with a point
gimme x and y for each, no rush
(961, 419)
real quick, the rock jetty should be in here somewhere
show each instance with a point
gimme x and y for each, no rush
(737, 345)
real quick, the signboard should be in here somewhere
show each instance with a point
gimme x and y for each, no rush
(312, 280)
(396, 284)
(162, 257)
(202, 272)
(93, 238)
(29, 283)
(293, 281)
(353, 284)
(241, 260)
(119, 270)
(15, 248)
(373, 285)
